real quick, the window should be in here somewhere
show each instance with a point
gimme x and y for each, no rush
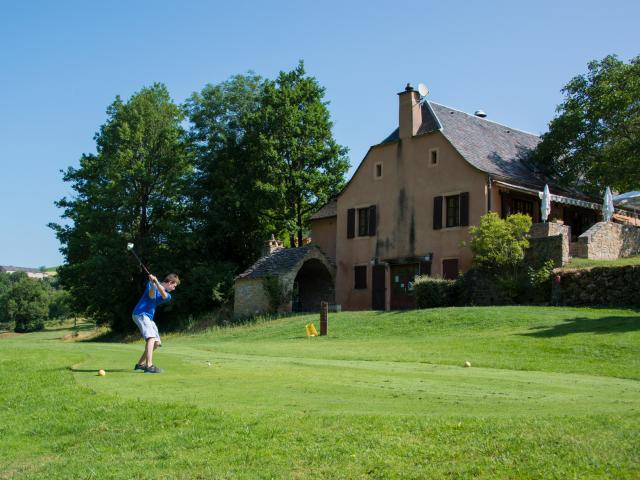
(453, 211)
(377, 172)
(523, 206)
(433, 157)
(367, 222)
(363, 222)
(360, 277)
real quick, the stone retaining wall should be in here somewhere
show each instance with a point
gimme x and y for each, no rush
(615, 286)
(608, 241)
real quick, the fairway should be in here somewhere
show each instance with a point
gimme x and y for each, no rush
(552, 393)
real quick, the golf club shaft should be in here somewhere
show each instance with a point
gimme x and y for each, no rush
(140, 261)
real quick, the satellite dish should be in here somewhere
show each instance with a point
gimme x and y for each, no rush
(423, 90)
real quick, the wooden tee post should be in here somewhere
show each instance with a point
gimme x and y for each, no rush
(324, 318)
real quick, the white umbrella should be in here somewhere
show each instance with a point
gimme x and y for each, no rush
(628, 199)
(607, 206)
(545, 205)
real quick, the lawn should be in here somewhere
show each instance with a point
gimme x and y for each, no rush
(552, 393)
(588, 263)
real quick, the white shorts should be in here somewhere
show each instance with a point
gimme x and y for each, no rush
(147, 327)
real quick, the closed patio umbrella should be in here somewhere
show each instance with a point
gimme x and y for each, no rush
(607, 206)
(545, 204)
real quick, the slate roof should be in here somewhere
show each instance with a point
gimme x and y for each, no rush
(491, 147)
(279, 262)
(329, 209)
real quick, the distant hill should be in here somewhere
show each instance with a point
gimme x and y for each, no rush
(31, 272)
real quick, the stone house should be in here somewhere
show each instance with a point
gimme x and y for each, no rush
(408, 206)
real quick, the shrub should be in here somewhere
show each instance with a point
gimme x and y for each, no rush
(499, 244)
(433, 292)
(277, 292)
(539, 283)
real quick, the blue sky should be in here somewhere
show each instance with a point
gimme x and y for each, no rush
(62, 64)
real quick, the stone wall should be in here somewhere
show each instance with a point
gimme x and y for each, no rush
(615, 286)
(250, 297)
(608, 241)
(548, 241)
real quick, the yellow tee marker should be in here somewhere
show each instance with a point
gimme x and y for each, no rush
(311, 330)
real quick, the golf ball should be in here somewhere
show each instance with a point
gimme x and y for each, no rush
(102, 373)
(467, 364)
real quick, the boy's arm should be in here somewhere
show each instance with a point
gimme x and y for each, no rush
(157, 285)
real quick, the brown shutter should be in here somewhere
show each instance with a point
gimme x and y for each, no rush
(372, 220)
(464, 209)
(437, 213)
(351, 223)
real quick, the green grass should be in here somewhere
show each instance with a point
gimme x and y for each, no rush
(552, 393)
(588, 263)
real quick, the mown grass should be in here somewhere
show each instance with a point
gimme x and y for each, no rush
(588, 263)
(553, 393)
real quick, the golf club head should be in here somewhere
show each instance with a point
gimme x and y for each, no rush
(129, 246)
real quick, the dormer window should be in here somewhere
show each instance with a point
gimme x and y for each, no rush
(377, 171)
(434, 157)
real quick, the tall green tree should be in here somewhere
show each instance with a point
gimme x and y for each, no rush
(594, 141)
(226, 202)
(290, 137)
(132, 190)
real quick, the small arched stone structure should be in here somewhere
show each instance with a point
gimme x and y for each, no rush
(305, 271)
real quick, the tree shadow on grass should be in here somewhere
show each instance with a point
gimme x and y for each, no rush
(617, 324)
(82, 327)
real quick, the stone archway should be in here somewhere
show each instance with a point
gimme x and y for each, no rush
(312, 284)
(305, 270)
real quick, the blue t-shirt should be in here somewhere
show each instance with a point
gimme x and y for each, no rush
(148, 305)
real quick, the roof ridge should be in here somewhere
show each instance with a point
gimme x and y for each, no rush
(484, 119)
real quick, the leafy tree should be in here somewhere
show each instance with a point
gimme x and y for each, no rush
(26, 303)
(301, 164)
(226, 203)
(594, 140)
(500, 243)
(5, 283)
(60, 305)
(132, 189)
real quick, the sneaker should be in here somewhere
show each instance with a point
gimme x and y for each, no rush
(139, 367)
(152, 369)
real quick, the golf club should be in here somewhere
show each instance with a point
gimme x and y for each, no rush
(130, 248)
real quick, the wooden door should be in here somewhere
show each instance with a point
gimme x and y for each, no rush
(402, 277)
(450, 268)
(379, 289)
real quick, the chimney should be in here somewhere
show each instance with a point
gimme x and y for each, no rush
(410, 113)
(272, 245)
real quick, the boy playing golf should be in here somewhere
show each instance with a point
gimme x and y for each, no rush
(155, 294)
